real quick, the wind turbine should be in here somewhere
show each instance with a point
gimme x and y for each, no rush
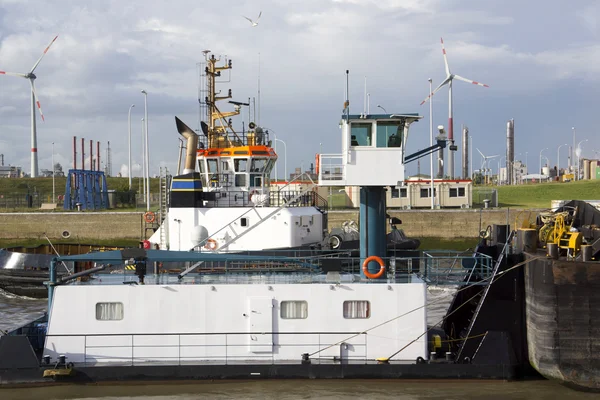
(448, 81)
(34, 102)
(484, 164)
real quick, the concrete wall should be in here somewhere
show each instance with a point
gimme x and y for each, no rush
(83, 225)
(128, 225)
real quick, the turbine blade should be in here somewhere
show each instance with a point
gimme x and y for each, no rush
(37, 102)
(43, 54)
(470, 81)
(480, 152)
(445, 58)
(435, 90)
(13, 74)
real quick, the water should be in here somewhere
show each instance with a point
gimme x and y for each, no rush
(15, 310)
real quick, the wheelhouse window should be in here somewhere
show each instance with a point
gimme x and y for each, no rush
(360, 134)
(241, 165)
(389, 134)
(109, 311)
(357, 309)
(294, 310)
(258, 165)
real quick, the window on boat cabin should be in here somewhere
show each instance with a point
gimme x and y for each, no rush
(427, 192)
(357, 309)
(241, 164)
(244, 221)
(240, 180)
(109, 311)
(202, 169)
(360, 134)
(224, 165)
(213, 170)
(389, 134)
(296, 309)
(258, 165)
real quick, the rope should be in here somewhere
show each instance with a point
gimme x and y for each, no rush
(420, 307)
(498, 276)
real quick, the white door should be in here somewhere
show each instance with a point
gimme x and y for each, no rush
(260, 325)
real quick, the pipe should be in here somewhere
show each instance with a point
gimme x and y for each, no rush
(82, 273)
(192, 145)
(74, 152)
(82, 153)
(98, 157)
(91, 155)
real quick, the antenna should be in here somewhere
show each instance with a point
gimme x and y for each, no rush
(347, 103)
(365, 98)
(258, 89)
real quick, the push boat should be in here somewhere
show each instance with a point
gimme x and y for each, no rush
(241, 309)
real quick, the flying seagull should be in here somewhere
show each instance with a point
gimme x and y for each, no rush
(254, 23)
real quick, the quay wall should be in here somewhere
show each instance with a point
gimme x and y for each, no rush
(86, 226)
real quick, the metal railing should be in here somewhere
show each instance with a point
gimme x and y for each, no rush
(220, 348)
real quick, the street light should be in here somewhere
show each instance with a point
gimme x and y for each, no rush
(578, 152)
(178, 233)
(379, 106)
(471, 155)
(53, 170)
(558, 159)
(129, 121)
(143, 169)
(431, 145)
(541, 160)
(498, 177)
(147, 153)
(573, 151)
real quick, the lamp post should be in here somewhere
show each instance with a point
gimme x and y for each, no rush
(558, 159)
(578, 152)
(178, 233)
(53, 171)
(471, 155)
(143, 169)
(431, 145)
(498, 177)
(147, 151)
(129, 122)
(379, 106)
(541, 160)
(285, 155)
(573, 152)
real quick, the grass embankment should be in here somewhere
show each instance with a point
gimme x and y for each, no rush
(540, 195)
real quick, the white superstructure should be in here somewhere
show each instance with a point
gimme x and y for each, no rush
(227, 323)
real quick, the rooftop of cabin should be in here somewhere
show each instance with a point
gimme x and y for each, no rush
(383, 117)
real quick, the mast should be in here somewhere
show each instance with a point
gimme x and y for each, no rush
(218, 125)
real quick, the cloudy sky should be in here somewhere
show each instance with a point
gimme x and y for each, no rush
(541, 60)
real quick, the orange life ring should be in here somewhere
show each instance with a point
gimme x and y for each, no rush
(211, 244)
(365, 267)
(250, 194)
(149, 217)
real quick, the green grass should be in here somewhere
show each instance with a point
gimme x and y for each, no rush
(540, 195)
(44, 185)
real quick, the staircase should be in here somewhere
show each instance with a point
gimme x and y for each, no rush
(164, 185)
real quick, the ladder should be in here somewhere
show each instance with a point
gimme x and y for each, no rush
(483, 295)
(164, 185)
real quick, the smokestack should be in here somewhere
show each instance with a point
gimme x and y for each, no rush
(91, 155)
(510, 150)
(192, 145)
(98, 157)
(82, 153)
(465, 152)
(74, 152)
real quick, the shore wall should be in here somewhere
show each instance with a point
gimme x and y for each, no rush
(129, 225)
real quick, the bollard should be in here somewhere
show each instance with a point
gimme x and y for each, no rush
(527, 240)
(586, 253)
(552, 250)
